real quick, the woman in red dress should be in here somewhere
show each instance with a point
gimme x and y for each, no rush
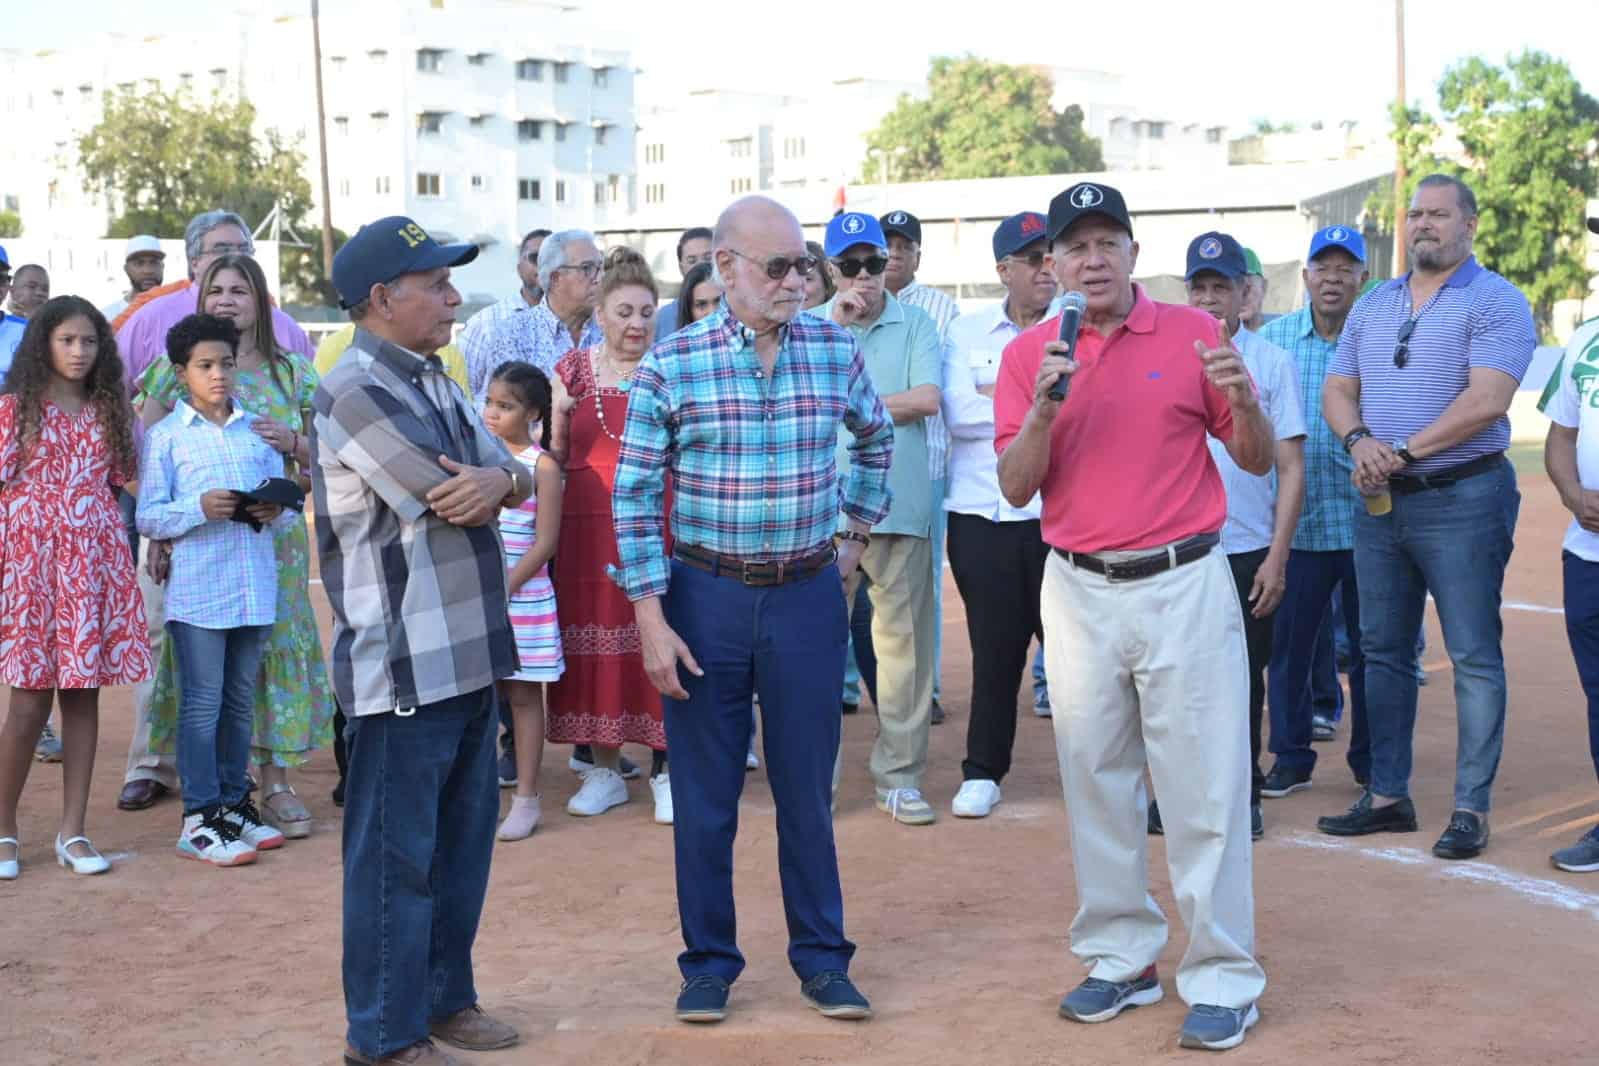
(605, 699)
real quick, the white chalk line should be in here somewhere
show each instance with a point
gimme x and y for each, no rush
(1538, 890)
(1534, 608)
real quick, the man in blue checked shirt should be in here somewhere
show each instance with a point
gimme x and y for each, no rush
(1425, 371)
(743, 407)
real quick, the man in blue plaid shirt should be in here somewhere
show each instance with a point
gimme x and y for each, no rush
(743, 408)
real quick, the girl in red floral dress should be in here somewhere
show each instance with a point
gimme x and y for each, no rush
(71, 619)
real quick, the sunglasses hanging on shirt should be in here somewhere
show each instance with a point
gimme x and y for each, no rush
(1402, 350)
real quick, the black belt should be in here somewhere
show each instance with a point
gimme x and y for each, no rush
(754, 572)
(1405, 484)
(1143, 566)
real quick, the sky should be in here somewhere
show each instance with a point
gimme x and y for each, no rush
(1286, 60)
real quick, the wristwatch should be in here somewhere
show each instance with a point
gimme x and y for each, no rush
(1401, 448)
(514, 472)
(863, 539)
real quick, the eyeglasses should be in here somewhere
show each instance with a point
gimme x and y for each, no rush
(778, 266)
(231, 249)
(590, 270)
(1034, 259)
(851, 268)
(1402, 352)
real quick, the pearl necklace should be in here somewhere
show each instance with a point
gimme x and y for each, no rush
(624, 379)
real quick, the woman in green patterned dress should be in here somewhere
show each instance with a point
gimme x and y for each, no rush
(294, 703)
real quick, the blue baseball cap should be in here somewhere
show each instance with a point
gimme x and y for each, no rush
(1218, 253)
(1017, 232)
(383, 250)
(851, 228)
(1343, 237)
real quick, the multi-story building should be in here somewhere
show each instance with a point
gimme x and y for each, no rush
(481, 120)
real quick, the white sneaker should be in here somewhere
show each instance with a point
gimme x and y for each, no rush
(751, 760)
(245, 821)
(906, 806)
(603, 788)
(522, 819)
(976, 799)
(208, 837)
(661, 785)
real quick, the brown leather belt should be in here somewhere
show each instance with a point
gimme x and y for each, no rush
(1190, 550)
(755, 573)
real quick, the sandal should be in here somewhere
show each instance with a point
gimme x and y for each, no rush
(289, 816)
(11, 869)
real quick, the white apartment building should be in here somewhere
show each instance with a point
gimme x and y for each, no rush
(481, 119)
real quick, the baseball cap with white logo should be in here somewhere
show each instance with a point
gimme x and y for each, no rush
(849, 229)
(1083, 199)
(1343, 237)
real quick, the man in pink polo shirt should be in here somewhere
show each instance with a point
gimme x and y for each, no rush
(1144, 639)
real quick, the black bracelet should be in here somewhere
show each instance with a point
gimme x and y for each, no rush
(1359, 433)
(849, 534)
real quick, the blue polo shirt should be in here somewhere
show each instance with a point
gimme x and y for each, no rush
(11, 330)
(1476, 319)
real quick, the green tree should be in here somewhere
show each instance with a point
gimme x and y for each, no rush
(1414, 133)
(1528, 131)
(10, 224)
(980, 120)
(161, 158)
(304, 275)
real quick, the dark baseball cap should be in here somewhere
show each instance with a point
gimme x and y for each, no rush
(1083, 199)
(1017, 232)
(1218, 253)
(384, 250)
(903, 223)
(1593, 225)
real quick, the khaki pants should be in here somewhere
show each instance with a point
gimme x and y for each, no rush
(903, 636)
(1156, 670)
(143, 764)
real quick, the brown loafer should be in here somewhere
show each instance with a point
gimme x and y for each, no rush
(472, 1030)
(421, 1053)
(140, 794)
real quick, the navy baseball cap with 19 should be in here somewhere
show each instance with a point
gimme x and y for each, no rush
(1218, 253)
(1338, 237)
(849, 229)
(1017, 232)
(903, 223)
(1084, 199)
(383, 250)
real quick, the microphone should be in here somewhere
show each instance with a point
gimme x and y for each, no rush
(1071, 320)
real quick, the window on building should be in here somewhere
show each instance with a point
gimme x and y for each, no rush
(429, 122)
(599, 192)
(125, 86)
(477, 59)
(185, 80)
(602, 77)
(86, 92)
(1213, 135)
(529, 189)
(738, 185)
(530, 129)
(344, 186)
(560, 192)
(429, 60)
(383, 185)
(655, 153)
(740, 147)
(60, 95)
(479, 183)
(151, 85)
(378, 56)
(380, 121)
(341, 126)
(477, 120)
(600, 133)
(219, 78)
(429, 185)
(562, 72)
(613, 189)
(530, 70)
(654, 193)
(337, 63)
(1157, 131)
(560, 131)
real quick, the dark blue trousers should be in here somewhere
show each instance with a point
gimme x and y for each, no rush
(420, 804)
(788, 642)
(1312, 579)
(1582, 629)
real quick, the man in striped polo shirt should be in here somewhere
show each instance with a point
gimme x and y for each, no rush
(1424, 374)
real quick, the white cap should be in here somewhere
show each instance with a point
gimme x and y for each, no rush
(142, 245)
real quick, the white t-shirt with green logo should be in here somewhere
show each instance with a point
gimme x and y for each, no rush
(1571, 399)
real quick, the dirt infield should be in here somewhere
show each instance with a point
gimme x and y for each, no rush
(1375, 951)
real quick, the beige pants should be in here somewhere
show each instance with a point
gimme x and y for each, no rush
(143, 764)
(1155, 670)
(902, 635)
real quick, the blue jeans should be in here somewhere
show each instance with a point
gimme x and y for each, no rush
(1312, 578)
(860, 655)
(218, 670)
(128, 505)
(788, 642)
(1582, 629)
(420, 805)
(1040, 682)
(1326, 693)
(1453, 542)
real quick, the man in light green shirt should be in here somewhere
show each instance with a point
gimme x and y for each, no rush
(900, 345)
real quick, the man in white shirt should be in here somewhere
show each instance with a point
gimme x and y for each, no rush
(1262, 511)
(904, 233)
(996, 551)
(480, 328)
(1571, 455)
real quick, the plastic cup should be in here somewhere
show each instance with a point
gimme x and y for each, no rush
(1378, 503)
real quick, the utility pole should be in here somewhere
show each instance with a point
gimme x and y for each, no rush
(322, 142)
(1399, 160)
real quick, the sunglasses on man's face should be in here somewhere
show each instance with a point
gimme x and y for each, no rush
(851, 268)
(1032, 260)
(1402, 352)
(778, 266)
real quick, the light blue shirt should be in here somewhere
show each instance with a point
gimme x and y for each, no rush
(224, 574)
(1251, 498)
(11, 330)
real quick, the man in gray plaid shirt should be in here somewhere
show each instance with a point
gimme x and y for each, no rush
(408, 484)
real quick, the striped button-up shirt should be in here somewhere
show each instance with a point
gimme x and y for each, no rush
(1476, 319)
(942, 309)
(1327, 522)
(224, 574)
(753, 471)
(419, 605)
(537, 337)
(480, 330)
